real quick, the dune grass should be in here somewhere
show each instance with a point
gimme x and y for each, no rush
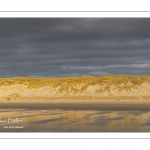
(73, 83)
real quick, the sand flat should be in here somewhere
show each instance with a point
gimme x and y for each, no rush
(77, 104)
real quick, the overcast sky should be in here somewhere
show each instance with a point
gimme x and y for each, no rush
(49, 47)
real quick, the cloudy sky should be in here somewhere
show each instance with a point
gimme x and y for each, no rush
(48, 47)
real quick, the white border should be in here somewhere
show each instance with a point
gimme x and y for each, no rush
(59, 135)
(74, 144)
(74, 14)
(74, 5)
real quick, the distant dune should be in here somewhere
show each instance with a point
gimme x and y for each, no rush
(84, 87)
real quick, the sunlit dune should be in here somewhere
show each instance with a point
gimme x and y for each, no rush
(84, 87)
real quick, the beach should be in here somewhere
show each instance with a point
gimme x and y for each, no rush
(76, 93)
(77, 104)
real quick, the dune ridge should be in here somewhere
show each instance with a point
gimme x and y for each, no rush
(83, 87)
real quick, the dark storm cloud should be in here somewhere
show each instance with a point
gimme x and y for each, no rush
(74, 46)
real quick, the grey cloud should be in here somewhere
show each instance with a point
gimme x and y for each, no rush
(74, 46)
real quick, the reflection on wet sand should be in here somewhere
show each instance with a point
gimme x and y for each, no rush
(57, 120)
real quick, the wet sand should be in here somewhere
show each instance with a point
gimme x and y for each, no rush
(78, 105)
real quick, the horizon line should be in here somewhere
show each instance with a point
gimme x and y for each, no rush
(74, 76)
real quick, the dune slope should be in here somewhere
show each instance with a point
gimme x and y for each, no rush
(92, 87)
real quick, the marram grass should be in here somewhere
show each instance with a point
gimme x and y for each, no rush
(124, 82)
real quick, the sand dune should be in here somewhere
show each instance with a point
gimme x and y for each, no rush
(86, 87)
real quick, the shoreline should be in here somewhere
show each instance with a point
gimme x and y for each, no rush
(104, 105)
